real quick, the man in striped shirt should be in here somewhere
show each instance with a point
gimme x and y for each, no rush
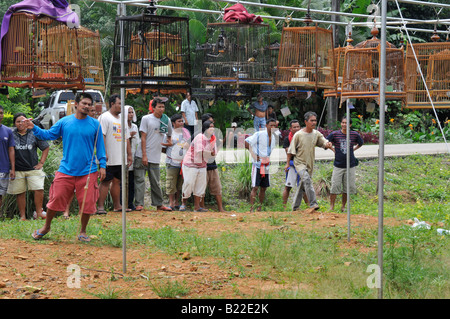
(339, 177)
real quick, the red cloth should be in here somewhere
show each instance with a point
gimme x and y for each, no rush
(290, 136)
(238, 13)
(265, 161)
(150, 108)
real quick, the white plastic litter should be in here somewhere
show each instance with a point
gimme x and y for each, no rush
(420, 224)
(442, 231)
(44, 214)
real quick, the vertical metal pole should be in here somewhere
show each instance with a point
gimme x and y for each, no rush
(121, 12)
(348, 171)
(381, 151)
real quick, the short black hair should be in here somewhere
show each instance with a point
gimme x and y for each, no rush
(83, 95)
(293, 122)
(206, 125)
(206, 117)
(309, 114)
(113, 98)
(175, 117)
(270, 120)
(159, 99)
(19, 114)
(344, 117)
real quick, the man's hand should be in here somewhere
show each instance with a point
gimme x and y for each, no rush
(144, 160)
(38, 166)
(102, 173)
(28, 123)
(286, 167)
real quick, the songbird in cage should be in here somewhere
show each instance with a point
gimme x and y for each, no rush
(208, 72)
(254, 55)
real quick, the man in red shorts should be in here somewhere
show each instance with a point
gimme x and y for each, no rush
(82, 145)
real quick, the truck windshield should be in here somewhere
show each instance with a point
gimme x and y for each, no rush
(66, 96)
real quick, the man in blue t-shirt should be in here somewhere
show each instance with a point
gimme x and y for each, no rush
(339, 177)
(7, 156)
(83, 144)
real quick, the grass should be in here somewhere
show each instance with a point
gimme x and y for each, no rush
(312, 263)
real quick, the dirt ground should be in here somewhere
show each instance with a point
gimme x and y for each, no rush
(39, 269)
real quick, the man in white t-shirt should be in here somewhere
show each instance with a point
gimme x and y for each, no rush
(153, 128)
(112, 135)
(189, 111)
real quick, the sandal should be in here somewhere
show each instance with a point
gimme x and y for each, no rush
(139, 208)
(84, 239)
(37, 235)
(165, 209)
(101, 212)
(182, 208)
(201, 210)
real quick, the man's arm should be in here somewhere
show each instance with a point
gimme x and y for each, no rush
(12, 160)
(144, 148)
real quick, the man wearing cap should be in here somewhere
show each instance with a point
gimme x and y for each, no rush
(148, 157)
(189, 111)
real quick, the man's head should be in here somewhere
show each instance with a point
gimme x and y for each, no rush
(177, 120)
(83, 101)
(310, 120)
(188, 96)
(270, 109)
(19, 121)
(294, 126)
(259, 97)
(159, 106)
(344, 123)
(115, 106)
(271, 124)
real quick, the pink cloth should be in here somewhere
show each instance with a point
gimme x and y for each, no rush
(238, 13)
(194, 155)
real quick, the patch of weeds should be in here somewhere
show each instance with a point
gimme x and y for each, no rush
(169, 289)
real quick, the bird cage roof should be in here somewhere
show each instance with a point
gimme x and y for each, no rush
(156, 53)
(306, 58)
(434, 63)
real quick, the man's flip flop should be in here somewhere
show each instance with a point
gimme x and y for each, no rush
(37, 235)
(165, 209)
(85, 239)
(101, 212)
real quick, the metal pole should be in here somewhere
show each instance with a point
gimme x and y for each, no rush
(121, 12)
(348, 171)
(381, 151)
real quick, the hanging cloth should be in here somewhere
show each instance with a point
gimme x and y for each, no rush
(56, 9)
(238, 13)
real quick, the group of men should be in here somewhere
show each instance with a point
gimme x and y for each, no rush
(93, 148)
(299, 146)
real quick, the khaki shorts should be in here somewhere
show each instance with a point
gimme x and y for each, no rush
(339, 180)
(174, 181)
(27, 180)
(213, 182)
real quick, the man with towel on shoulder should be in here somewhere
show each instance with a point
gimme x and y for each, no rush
(260, 145)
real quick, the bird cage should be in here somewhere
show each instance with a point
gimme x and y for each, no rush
(155, 53)
(361, 70)
(40, 52)
(91, 59)
(237, 54)
(339, 58)
(306, 58)
(434, 61)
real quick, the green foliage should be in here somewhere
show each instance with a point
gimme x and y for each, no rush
(17, 100)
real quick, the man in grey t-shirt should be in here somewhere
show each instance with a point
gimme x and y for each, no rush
(148, 157)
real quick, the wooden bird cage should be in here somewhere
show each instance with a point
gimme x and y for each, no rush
(237, 54)
(360, 77)
(339, 58)
(156, 53)
(434, 61)
(306, 58)
(39, 52)
(91, 59)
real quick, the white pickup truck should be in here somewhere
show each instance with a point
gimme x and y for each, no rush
(55, 107)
